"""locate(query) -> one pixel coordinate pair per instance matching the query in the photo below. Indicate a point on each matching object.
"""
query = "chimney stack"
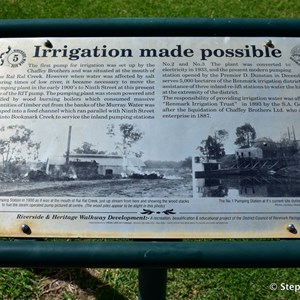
(68, 147)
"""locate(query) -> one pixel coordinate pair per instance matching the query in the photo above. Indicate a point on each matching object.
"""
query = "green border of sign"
(149, 27)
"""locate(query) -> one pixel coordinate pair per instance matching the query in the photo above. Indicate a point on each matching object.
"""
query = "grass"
(230, 283)
(49, 284)
(121, 284)
(23, 9)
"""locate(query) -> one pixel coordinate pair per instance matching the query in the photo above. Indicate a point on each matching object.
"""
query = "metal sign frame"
(239, 30)
(126, 27)
(151, 257)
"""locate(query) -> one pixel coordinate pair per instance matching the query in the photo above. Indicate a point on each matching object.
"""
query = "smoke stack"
(294, 133)
(69, 146)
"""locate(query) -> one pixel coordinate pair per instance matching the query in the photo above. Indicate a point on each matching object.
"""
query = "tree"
(221, 135)
(86, 148)
(212, 147)
(16, 145)
(187, 163)
(246, 135)
(130, 135)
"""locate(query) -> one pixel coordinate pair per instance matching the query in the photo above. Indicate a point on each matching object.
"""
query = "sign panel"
(150, 137)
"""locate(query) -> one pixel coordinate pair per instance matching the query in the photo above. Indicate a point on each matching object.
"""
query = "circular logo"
(295, 54)
(16, 58)
(273, 286)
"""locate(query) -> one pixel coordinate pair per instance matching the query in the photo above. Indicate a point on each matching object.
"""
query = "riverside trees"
(17, 146)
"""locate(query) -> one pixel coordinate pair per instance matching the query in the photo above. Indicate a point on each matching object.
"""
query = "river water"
(245, 186)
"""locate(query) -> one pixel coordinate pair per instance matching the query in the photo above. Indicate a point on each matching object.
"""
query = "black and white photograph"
(103, 160)
(134, 160)
(259, 166)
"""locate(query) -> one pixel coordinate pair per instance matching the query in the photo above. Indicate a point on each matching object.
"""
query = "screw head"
(291, 228)
(48, 44)
(269, 44)
(26, 229)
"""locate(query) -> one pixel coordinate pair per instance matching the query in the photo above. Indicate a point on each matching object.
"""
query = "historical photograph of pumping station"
(258, 166)
(88, 172)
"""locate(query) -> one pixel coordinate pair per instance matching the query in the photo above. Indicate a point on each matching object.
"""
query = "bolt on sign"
(150, 137)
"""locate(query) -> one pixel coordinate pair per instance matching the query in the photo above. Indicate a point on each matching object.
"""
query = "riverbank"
(179, 187)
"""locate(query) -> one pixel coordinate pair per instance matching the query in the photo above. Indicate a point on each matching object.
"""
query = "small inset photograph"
(255, 166)
(105, 161)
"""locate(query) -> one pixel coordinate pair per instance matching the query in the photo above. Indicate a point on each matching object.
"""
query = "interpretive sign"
(150, 137)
